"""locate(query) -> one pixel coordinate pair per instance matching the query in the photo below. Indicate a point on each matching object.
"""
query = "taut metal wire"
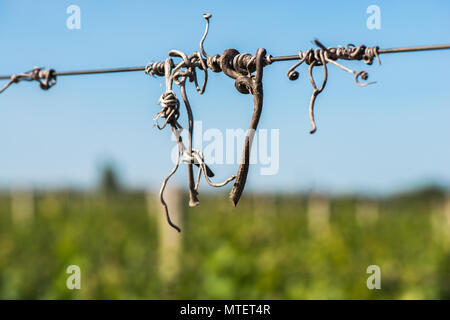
(271, 58)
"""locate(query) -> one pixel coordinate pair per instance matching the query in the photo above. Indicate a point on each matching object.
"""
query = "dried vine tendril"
(321, 56)
(170, 112)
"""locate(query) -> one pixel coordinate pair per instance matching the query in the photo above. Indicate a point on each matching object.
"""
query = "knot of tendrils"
(196, 157)
(350, 52)
(155, 68)
(244, 63)
(170, 109)
(46, 78)
(213, 63)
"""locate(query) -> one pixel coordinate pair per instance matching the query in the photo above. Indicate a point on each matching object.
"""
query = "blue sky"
(381, 138)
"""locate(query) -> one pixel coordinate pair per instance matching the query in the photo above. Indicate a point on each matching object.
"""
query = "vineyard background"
(300, 246)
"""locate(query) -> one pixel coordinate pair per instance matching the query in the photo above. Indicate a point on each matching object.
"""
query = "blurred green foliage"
(266, 248)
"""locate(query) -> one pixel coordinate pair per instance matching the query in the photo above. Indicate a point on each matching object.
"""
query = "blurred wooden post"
(366, 213)
(22, 206)
(169, 239)
(318, 214)
(447, 212)
(440, 222)
(446, 223)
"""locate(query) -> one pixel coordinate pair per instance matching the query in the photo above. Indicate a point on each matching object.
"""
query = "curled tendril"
(212, 62)
(316, 91)
(202, 49)
(322, 56)
(163, 187)
(364, 75)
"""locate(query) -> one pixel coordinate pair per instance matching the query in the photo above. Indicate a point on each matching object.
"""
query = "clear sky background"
(385, 137)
